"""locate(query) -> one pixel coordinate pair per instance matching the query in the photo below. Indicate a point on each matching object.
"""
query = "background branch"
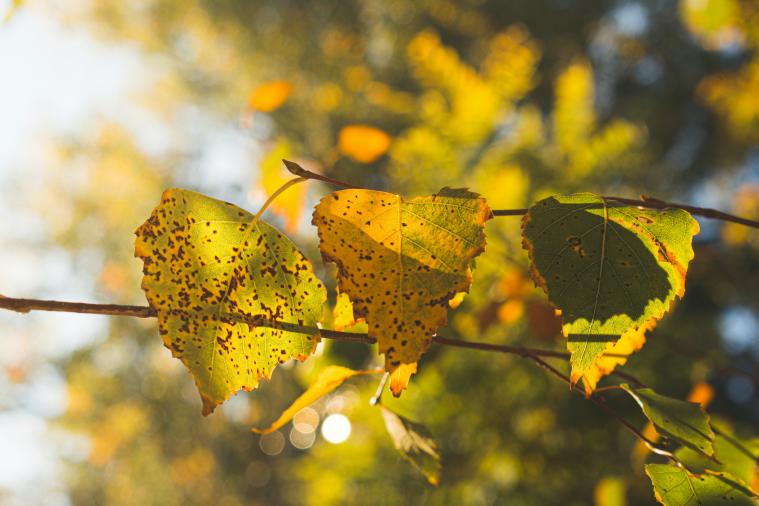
(644, 201)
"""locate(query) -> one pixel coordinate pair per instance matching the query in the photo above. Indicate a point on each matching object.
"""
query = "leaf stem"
(644, 201)
(276, 194)
(299, 171)
(377, 397)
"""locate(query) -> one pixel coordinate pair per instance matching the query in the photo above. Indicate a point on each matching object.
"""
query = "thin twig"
(644, 201)
(629, 377)
(299, 171)
(533, 354)
(377, 397)
(601, 402)
(653, 203)
(26, 305)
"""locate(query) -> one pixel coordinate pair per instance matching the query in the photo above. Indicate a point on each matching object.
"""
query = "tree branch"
(26, 305)
(600, 401)
(644, 201)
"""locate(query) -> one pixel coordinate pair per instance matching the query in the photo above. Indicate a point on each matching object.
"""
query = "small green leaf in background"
(737, 456)
(675, 486)
(685, 422)
(234, 296)
(610, 268)
(415, 444)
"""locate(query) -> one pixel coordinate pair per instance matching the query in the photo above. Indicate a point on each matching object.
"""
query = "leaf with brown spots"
(234, 296)
(401, 262)
(610, 268)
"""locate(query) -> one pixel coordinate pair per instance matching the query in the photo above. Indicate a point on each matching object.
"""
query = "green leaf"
(737, 456)
(234, 296)
(401, 262)
(680, 420)
(610, 268)
(415, 444)
(675, 486)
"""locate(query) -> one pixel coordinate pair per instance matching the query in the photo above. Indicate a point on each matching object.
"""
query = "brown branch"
(644, 201)
(533, 354)
(26, 305)
(600, 401)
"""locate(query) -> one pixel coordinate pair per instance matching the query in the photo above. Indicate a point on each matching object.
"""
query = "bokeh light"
(272, 444)
(336, 428)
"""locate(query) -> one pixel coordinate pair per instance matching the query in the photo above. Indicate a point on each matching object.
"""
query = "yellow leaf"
(363, 143)
(702, 394)
(234, 297)
(615, 354)
(329, 379)
(291, 204)
(270, 96)
(511, 311)
(400, 377)
(401, 262)
(457, 300)
(342, 314)
(574, 117)
(610, 491)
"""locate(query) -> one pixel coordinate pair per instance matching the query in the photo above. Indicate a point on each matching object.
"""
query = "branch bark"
(27, 305)
(20, 305)
(644, 201)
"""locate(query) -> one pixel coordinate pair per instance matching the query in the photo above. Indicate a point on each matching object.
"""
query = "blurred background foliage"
(517, 100)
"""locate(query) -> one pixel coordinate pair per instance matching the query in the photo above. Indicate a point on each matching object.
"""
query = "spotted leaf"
(401, 262)
(610, 268)
(234, 297)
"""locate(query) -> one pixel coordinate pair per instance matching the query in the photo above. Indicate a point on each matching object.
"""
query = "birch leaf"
(675, 486)
(401, 262)
(610, 268)
(630, 342)
(234, 296)
(685, 422)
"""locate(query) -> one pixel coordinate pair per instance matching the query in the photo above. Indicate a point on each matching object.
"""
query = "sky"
(56, 81)
(48, 87)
